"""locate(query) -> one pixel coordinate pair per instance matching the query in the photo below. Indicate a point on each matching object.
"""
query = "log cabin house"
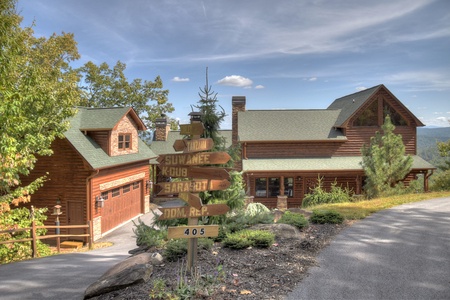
(284, 152)
(99, 172)
(297, 147)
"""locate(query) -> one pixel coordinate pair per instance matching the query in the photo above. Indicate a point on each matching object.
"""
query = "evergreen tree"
(384, 161)
(211, 116)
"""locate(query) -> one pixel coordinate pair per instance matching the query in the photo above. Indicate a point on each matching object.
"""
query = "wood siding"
(102, 138)
(66, 181)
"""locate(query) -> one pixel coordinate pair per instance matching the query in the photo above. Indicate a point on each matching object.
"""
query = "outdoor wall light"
(99, 201)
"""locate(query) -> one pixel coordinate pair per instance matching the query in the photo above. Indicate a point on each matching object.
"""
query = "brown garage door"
(123, 204)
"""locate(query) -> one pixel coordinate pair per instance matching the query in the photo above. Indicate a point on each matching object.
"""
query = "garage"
(121, 204)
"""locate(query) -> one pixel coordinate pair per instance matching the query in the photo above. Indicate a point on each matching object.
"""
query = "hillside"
(426, 143)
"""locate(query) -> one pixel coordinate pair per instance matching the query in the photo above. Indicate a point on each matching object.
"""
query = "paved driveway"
(399, 253)
(67, 276)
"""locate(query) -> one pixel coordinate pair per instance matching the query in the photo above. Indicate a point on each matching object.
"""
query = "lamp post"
(57, 212)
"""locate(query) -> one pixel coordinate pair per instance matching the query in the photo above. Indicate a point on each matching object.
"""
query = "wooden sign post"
(187, 165)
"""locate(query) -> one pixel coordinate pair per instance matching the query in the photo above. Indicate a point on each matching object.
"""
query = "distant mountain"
(426, 143)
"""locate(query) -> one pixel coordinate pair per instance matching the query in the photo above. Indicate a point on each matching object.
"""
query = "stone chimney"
(238, 104)
(162, 128)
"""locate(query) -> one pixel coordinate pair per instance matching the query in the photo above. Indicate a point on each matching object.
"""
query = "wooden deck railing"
(34, 237)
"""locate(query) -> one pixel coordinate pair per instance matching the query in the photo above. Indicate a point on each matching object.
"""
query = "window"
(369, 117)
(270, 187)
(125, 189)
(124, 141)
(261, 187)
(289, 186)
(115, 192)
(135, 185)
(104, 195)
(396, 118)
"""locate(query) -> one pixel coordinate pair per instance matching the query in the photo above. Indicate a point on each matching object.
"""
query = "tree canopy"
(38, 92)
(384, 161)
(103, 86)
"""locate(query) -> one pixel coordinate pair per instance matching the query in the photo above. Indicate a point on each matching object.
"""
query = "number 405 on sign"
(192, 231)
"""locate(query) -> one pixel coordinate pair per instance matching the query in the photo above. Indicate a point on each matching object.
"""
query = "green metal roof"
(348, 163)
(89, 149)
(288, 125)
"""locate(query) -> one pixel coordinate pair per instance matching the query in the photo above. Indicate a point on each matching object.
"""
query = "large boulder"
(133, 270)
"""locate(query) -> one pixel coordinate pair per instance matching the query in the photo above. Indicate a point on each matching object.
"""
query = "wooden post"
(34, 240)
(192, 247)
(90, 244)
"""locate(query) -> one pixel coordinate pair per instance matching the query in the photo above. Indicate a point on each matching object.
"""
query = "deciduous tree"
(384, 161)
(38, 92)
(108, 87)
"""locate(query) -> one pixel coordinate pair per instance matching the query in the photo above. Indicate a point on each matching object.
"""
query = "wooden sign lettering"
(169, 213)
(192, 129)
(191, 199)
(192, 186)
(194, 172)
(195, 145)
(192, 231)
(194, 159)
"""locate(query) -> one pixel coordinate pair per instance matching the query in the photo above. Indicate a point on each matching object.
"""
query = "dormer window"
(124, 141)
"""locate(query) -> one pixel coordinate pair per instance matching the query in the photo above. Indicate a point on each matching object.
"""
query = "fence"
(34, 237)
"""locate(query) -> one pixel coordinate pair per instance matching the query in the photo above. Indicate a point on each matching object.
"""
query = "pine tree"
(211, 116)
(384, 161)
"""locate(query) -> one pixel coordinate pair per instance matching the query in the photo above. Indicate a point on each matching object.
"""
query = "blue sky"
(287, 54)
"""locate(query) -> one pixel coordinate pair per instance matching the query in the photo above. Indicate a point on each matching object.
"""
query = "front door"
(75, 216)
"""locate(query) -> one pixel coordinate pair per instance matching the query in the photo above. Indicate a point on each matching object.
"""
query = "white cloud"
(180, 79)
(259, 87)
(361, 88)
(312, 79)
(235, 80)
(442, 119)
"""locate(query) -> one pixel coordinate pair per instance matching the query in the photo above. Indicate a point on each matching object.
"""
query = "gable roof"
(89, 149)
(107, 118)
(288, 125)
(350, 104)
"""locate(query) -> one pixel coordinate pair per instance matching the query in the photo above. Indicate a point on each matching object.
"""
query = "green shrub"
(21, 218)
(294, 219)
(256, 208)
(320, 196)
(148, 236)
(326, 217)
(175, 249)
(246, 238)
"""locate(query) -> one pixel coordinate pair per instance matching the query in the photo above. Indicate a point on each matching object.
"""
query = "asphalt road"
(67, 276)
(399, 253)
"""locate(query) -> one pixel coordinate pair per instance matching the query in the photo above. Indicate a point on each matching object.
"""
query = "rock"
(156, 259)
(135, 269)
(281, 231)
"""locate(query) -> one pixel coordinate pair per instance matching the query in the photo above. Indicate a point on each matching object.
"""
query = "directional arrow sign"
(192, 186)
(191, 129)
(191, 199)
(194, 159)
(169, 213)
(195, 145)
(194, 172)
(192, 231)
